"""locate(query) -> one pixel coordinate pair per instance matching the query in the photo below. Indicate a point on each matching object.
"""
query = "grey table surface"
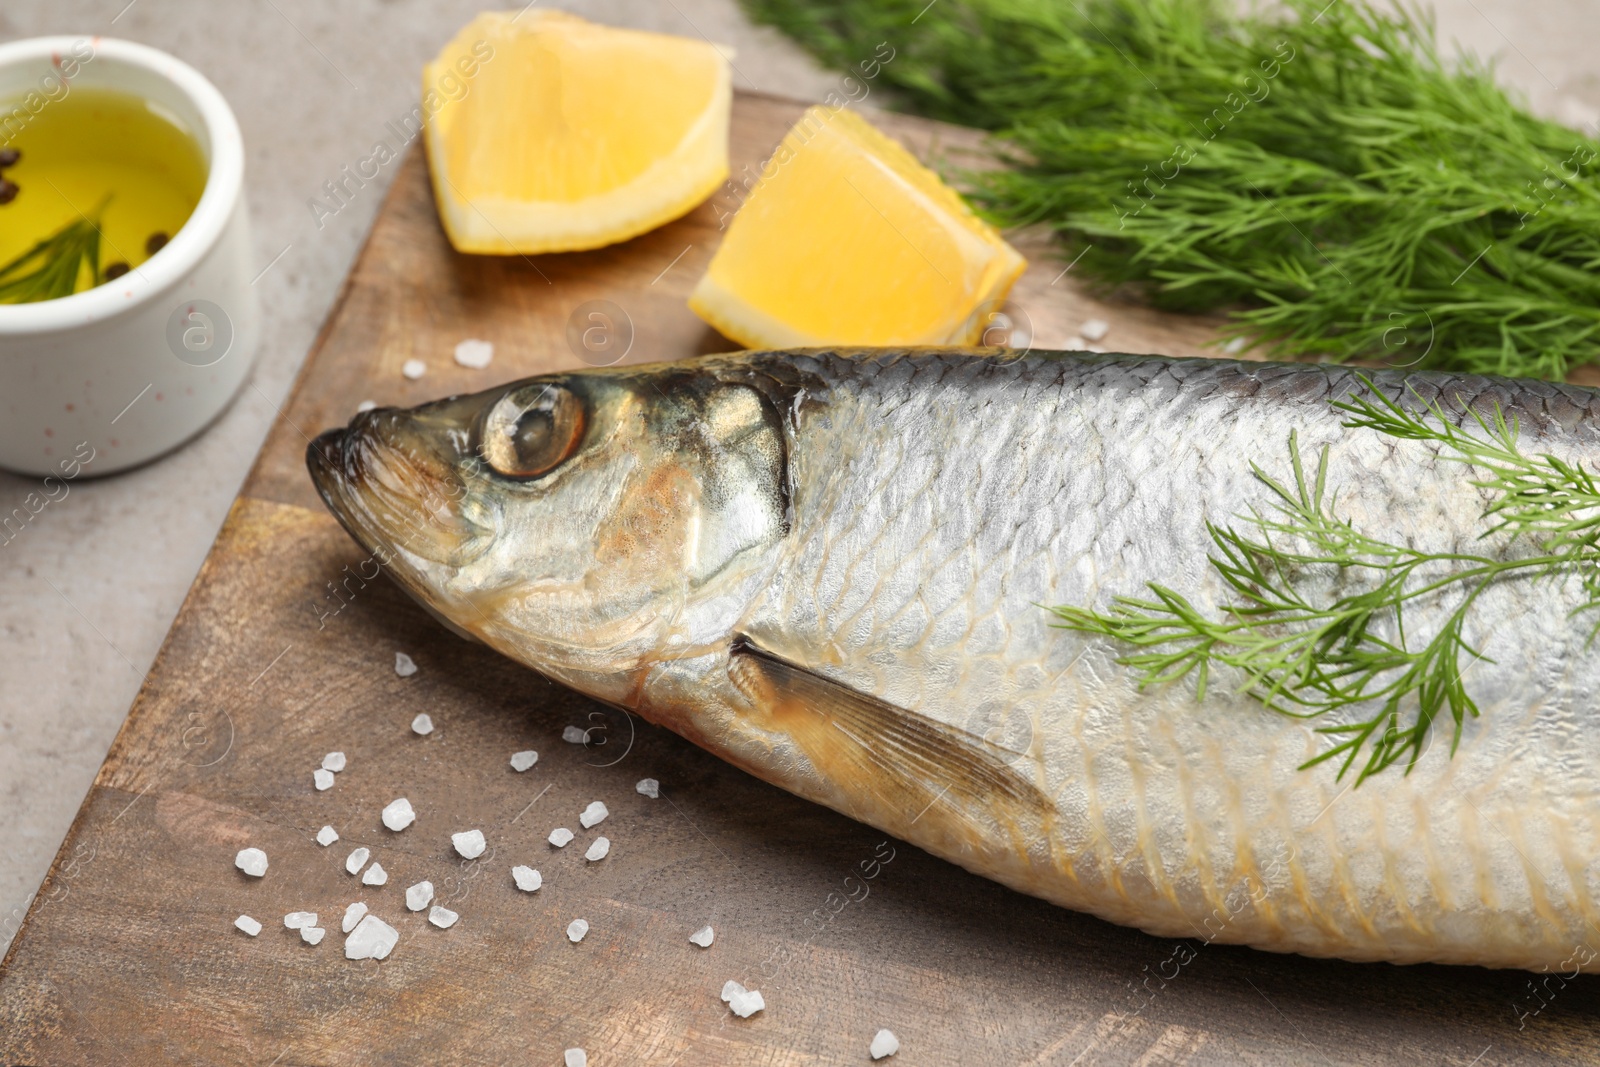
(88, 590)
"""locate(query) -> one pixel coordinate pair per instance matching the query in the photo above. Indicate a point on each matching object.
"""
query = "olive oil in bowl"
(95, 184)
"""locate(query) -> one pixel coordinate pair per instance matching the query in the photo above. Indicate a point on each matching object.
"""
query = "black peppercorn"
(8, 157)
(156, 243)
(116, 270)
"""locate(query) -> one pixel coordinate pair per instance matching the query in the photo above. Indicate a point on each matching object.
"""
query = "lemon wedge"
(848, 239)
(548, 133)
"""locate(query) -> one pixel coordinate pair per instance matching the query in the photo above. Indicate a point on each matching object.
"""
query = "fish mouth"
(396, 490)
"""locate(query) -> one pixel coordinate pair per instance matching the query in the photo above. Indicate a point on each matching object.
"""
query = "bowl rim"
(199, 235)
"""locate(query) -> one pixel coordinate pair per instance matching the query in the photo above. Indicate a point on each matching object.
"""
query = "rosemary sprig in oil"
(51, 268)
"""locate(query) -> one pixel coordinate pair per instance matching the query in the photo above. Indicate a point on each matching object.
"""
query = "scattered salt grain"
(521, 761)
(399, 815)
(299, 920)
(419, 896)
(746, 1003)
(372, 939)
(528, 880)
(576, 929)
(251, 861)
(404, 665)
(573, 735)
(352, 915)
(474, 354)
(312, 935)
(593, 815)
(469, 843)
(560, 836)
(598, 850)
(357, 860)
(366, 405)
(375, 875)
(327, 836)
(413, 368)
(322, 778)
(575, 1057)
(1234, 346)
(703, 937)
(247, 925)
(422, 724)
(1076, 344)
(649, 787)
(729, 989)
(333, 761)
(884, 1043)
(1094, 329)
(443, 918)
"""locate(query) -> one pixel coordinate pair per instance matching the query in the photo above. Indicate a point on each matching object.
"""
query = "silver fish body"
(830, 569)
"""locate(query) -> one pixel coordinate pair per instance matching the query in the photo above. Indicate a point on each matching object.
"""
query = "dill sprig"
(51, 268)
(1305, 653)
(1319, 170)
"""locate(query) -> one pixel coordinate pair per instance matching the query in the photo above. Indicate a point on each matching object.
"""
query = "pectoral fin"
(898, 762)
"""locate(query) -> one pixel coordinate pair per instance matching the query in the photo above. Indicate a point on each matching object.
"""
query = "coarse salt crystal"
(322, 778)
(357, 860)
(352, 915)
(560, 836)
(884, 1043)
(1234, 346)
(474, 354)
(419, 896)
(1076, 344)
(312, 935)
(575, 1057)
(469, 843)
(366, 405)
(746, 1003)
(593, 815)
(247, 925)
(333, 761)
(299, 920)
(413, 368)
(443, 918)
(703, 937)
(649, 787)
(422, 724)
(251, 861)
(404, 665)
(399, 815)
(521, 761)
(372, 939)
(576, 929)
(1094, 329)
(327, 836)
(598, 850)
(375, 875)
(573, 735)
(528, 880)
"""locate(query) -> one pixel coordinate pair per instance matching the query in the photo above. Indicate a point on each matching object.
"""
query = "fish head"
(584, 524)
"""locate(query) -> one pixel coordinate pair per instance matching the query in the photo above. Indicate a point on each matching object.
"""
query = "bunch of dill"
(1322, 172)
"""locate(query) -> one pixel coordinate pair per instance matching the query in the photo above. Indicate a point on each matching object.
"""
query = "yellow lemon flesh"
(847, 239)
(547, 133)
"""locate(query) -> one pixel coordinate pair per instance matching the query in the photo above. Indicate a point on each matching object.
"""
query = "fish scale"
(879, 642)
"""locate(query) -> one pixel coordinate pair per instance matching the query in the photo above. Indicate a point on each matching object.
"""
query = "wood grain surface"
(284, 651)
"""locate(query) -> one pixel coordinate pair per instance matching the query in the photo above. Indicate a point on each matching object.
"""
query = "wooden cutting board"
(283, 652)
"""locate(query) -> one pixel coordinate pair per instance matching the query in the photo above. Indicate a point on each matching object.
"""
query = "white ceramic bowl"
(133, 368)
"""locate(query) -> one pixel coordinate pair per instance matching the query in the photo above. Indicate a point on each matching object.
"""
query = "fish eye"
(531, 430)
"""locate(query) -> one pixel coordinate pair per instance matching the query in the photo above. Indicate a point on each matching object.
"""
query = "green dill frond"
(1320, 171)
(1306, 655)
